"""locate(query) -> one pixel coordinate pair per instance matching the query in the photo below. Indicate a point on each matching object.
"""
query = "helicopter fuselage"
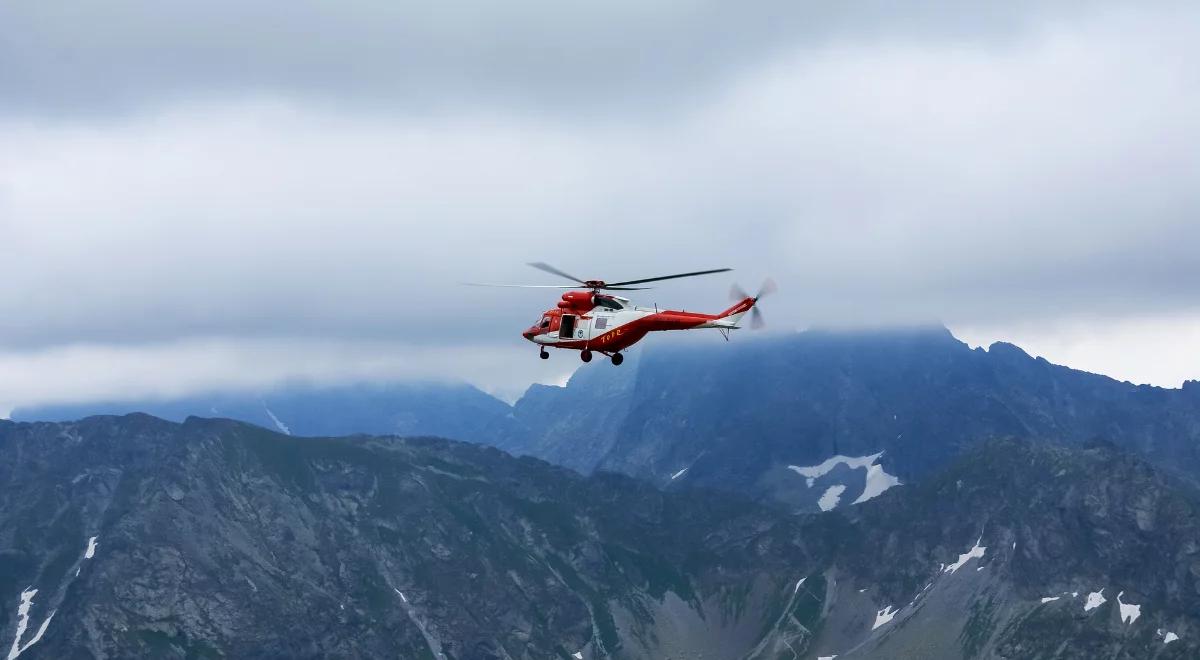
(587, 321)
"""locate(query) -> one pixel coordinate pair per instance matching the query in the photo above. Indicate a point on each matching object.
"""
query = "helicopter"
(590, 320)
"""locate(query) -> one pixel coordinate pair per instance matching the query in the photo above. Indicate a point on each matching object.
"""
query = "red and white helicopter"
(589, 321)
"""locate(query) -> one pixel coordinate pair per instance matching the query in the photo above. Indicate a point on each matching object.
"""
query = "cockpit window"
(607, 302)
(545, 322)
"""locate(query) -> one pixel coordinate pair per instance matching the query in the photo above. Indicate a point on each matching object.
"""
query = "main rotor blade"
(556, 286)
(671, 277)
(526, 286)
(554, 271)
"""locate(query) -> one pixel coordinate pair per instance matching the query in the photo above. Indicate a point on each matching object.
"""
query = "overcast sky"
(231, 194)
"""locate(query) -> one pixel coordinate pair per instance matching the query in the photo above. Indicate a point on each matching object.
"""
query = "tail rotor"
(756, 318)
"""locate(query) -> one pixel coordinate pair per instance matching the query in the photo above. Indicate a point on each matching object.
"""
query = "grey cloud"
(1003, 169)
(628, 57)
(878, 184)
(164, 370)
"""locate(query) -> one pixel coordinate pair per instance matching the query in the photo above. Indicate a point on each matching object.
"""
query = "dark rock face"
(1057, 525)
(736, 416)
(578, 425)
(219, 538)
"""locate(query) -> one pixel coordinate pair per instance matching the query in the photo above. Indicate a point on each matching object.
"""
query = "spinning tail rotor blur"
(756, 318)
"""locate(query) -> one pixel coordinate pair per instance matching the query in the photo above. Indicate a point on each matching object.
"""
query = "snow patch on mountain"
(832, 496)
(875, 482)
(878, 481)
(283, 428)
(884, 616)
(91, 549)
(976, 552)
(23, 623)
(1129, 611)
(1094, 600)
(818, 471)
(22, 620)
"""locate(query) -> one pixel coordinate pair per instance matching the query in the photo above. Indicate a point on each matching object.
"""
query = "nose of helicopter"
(528, 334)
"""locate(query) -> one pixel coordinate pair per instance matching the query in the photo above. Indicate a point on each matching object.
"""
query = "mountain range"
(890, 494)
(794, 418)
(133, 536)
(456, 411)
(755, 418)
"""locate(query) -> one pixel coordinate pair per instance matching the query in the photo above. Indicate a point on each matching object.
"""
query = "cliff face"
(737, 416)
(210, 538)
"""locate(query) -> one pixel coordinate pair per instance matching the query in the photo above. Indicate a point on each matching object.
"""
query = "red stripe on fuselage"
(627, 334)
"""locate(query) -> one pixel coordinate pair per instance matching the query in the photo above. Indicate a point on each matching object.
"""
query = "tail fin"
(741, 307)
(733, 315)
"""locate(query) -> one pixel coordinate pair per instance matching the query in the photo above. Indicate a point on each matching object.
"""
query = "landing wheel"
(585, 355)
(544, 355)
(617, 358)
